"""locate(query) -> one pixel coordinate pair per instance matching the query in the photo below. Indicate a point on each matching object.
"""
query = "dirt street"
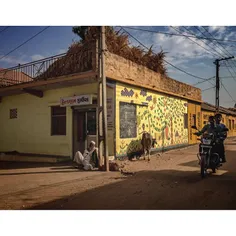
(170, 181)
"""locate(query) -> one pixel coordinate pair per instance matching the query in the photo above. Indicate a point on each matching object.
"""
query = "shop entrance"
(84, 129)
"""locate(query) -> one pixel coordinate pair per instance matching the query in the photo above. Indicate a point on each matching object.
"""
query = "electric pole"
(217, 63)
(104, 97)
(102, 101)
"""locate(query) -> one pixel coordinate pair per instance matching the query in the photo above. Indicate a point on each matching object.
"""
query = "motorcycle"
(208, 156)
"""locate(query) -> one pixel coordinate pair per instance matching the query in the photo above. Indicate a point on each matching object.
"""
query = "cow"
(147, 142)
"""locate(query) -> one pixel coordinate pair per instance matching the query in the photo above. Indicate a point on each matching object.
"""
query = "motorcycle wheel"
(203, 169)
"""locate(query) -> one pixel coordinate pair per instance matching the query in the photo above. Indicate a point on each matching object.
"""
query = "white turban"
(92, 142)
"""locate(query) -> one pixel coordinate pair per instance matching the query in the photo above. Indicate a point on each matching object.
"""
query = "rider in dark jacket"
(209, 128)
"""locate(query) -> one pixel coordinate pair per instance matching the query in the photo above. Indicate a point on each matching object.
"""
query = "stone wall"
(119, 68)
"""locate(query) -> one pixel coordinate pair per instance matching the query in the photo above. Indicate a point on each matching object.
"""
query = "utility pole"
(102, 101)
(104, 97)
(217, 98)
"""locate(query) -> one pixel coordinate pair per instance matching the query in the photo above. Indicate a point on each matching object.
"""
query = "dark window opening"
(58, 120)
(185, 120)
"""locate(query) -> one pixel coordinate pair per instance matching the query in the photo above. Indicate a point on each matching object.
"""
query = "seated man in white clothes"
(89, 160)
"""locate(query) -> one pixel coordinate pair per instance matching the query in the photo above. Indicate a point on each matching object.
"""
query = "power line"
(5, 28)
(227, 52)
(196, 43)
(208, 89)
(227, 92)
(25, 42)
(209, 43)
(181, 35)
(205, 28)
(217, 53)
(230, 72)
(164, 59)
(222, 84)
(206, 80)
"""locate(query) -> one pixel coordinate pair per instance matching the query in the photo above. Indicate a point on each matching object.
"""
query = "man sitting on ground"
(89, 160)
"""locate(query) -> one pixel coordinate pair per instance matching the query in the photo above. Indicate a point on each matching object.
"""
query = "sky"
(195, 56)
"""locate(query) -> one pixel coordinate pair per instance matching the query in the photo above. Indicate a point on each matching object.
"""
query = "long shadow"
(166, 190)
(8, 165)
(40, 172)
(229, 153)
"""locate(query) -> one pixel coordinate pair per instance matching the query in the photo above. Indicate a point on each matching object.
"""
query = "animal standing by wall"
(147, 142)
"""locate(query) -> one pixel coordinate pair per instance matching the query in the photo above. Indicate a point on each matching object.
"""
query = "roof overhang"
(38, 87)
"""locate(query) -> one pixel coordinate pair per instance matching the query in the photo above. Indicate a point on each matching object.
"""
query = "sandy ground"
(169, 181)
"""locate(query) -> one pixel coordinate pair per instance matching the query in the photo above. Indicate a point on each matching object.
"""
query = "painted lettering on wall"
(76, 100)
(110, 113)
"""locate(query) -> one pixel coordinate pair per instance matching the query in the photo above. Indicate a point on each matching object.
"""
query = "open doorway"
(84, 129)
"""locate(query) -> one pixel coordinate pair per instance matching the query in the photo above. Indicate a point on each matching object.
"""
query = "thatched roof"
(77, 59)
(79, 56)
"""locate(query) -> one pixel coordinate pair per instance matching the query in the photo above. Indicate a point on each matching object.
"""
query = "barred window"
(13, 113)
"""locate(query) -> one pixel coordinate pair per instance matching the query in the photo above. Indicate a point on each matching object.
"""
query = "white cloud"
(218, 29)
(12, 61)
(37, 57)
(60, 51)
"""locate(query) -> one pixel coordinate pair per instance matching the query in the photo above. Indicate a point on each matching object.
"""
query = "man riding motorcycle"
(222, 136)
(220, 130)
(209, 128)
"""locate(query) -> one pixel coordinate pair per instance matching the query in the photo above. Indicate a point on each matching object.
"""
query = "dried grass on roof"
(79, 55)
(77, 59)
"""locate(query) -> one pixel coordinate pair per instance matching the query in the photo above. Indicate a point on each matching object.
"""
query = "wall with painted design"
(139, 110)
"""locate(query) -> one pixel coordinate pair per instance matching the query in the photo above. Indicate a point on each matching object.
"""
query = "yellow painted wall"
(193, 110)
(225, 120)
(232, 130)
(164, 118)
(31, 131)
(205, 117)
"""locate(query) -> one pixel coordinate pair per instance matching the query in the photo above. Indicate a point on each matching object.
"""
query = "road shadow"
(11, 165)
(154, 190)
(40, 172)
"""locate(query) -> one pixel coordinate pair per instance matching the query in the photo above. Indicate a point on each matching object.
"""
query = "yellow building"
(56, 113)
(228, 117)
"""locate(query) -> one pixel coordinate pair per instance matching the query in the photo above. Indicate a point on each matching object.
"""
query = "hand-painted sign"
(76, 100)
(110, 113)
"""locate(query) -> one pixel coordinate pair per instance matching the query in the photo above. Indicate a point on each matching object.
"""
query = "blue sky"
(182, 52)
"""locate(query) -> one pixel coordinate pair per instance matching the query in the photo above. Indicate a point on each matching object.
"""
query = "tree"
(81, 31)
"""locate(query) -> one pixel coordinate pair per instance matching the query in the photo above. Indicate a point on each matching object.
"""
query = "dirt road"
(170, 181)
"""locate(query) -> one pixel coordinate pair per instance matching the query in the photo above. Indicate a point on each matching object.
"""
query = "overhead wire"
(180, 35)
(5, 28)
(198, 77)
(196, 43)
(35, 35)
